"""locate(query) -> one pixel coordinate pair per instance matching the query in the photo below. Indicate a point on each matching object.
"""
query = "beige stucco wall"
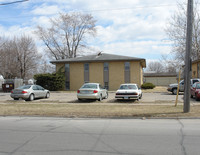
(96, 72)
(136, 73)
(116, 75)
(76, 76)
(194, 70)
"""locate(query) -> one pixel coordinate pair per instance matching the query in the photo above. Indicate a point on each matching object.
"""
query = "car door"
(35, 91)
(41, 91)
(193, 88)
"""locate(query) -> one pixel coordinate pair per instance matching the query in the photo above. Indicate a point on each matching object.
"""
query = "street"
(46, 136)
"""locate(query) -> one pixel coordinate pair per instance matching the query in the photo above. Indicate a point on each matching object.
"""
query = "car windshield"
(198, 86)
(24, 87)
(92, 86)
(128, 87)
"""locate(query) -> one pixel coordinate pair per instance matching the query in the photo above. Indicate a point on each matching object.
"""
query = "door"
(193, 88)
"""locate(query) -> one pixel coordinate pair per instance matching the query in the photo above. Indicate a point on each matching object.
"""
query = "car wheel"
(191, 96)
(47, 95)
(196, 98)
(79, 99)
(16, 98)
(31, 97)
(100, 98)
(174, 91)
(140, 96)
(106, 95)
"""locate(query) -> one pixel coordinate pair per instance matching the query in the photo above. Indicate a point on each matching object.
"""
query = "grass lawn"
(96, 110)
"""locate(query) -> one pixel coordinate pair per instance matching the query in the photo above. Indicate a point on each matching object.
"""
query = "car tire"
(106, 96)
(31, 97)
(100, 97)
(79, 99)
(47, 95)
(196, 98)
(140, 96)
(191, 96)
(174, 91)
(16, 98)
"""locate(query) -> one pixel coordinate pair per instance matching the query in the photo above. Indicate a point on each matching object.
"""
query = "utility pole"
(187, 70)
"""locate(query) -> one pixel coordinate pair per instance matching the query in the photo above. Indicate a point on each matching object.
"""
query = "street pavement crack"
(182, 138)
(99, 140)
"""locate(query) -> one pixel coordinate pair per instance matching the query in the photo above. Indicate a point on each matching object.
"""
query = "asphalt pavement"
(61, 136)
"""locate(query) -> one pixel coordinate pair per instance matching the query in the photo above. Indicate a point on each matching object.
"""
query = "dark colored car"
(195, 91)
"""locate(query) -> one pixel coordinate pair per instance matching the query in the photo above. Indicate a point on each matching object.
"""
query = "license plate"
(85, 91)
(126, 97)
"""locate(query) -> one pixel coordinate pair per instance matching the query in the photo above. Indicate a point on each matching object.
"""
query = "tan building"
(196, 69)
(107, 69)
(160, 79)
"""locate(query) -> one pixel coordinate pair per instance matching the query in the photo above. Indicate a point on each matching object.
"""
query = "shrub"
(148, 86)
(51, 82)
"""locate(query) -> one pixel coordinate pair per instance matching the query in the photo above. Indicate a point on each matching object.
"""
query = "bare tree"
(27, 56)
(19, 58)
(155, 66)
(176, 30)
(45, 67)
(66, 37)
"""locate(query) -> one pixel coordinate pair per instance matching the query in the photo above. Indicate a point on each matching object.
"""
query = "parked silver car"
(92, 91)
(29, 92)
(129, 91)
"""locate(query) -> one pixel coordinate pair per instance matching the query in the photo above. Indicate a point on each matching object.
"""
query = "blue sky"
(124, 27)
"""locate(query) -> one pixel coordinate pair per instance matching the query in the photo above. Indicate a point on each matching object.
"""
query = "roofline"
(143, 61)
(195, 61)
(65, 61)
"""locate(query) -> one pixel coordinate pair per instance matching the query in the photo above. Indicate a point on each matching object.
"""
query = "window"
(106, 66)
(195, 81)
(86, 67)
(86, 72)
(106, 74)
(127, 66)
(127, 72)
(92, 86)
(67, 76)
(35, 87)
(106, 85)
(67, 85)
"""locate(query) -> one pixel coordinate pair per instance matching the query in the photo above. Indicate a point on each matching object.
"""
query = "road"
(62, 136)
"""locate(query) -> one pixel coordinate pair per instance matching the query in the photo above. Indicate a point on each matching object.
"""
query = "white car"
(92, 91)
(129, 91)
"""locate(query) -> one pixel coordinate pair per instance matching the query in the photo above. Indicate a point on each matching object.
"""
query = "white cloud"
(128, 27)
(46, 10)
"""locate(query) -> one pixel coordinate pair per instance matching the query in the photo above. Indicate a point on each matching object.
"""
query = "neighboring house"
(108, 69)
(196, 69)
(160, 79)
(1, 81)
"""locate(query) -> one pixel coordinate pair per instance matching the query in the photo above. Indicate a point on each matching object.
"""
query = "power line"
(99, 10)
(133, 8)
(13, 2)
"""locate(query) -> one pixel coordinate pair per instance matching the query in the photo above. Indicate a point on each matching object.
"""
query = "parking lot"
(70, 97)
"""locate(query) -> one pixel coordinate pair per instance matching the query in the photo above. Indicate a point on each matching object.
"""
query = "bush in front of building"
(49, 81)
(148, 86)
